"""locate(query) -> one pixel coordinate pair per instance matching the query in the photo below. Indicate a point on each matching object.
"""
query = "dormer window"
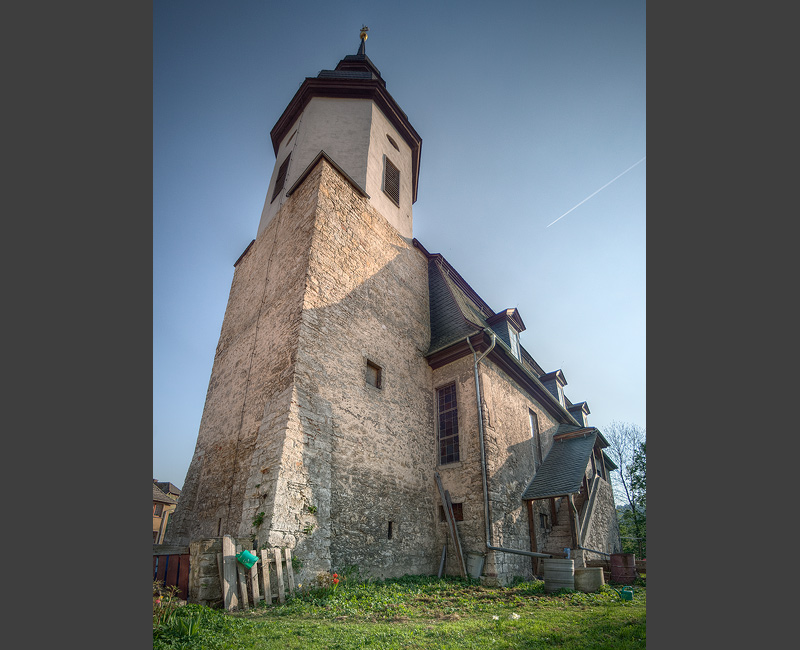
(507, 324)
(514, 336)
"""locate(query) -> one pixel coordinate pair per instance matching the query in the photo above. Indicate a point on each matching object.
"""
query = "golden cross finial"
(364, 30)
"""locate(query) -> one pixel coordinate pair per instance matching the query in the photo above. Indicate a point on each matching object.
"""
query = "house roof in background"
(160, 496)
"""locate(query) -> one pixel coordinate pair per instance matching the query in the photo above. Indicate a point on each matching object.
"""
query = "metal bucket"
(475, 564)
(558, 574)
(589, 579)
(623, 568)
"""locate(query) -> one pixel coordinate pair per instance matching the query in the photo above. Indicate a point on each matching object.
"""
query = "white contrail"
(595, 192)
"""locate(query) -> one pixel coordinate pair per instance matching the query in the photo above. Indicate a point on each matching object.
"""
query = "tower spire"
(363, 37)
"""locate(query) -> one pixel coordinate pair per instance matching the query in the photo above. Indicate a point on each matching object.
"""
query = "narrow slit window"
(447, 412)
(374, 375)
(281, 180)
(537, 441)
(390, 530)
(391, 181)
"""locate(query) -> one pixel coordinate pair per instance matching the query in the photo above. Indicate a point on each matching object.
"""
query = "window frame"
(371, 365)
(455, 456)
(387, 165)
(280, 180)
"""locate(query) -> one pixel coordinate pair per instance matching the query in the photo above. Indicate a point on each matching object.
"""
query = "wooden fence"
(171, 566)
(241, 586)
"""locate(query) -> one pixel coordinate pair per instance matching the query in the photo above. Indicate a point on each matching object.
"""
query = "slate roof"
(562, 470)
(457, 311)
(453, 315)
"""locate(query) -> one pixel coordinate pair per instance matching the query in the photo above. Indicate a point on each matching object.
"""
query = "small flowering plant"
(327, 582)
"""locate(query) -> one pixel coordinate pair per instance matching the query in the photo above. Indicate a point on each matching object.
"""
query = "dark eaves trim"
(505, 359)
(455, 276)
(333, 164)
(244, 252)
(502, 357)
(371, 89)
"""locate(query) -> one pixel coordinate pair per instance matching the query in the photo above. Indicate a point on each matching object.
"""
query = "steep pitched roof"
(453, 314)
(563, 468)
(159, 495)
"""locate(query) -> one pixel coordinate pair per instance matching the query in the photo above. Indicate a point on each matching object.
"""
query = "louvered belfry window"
(281, 180)
(391, 181)
(447, 411)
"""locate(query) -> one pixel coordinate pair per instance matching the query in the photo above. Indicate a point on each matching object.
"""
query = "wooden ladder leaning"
(451, 524)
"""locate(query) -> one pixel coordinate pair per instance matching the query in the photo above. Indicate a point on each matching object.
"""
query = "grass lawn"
(418, 612)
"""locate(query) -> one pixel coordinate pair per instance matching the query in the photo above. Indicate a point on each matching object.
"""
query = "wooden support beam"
(573, 521)
(532, 534)
(451, 523)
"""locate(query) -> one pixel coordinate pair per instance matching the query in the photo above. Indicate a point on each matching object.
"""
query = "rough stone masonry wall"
(462, 479)
(365, 453)
(205, 587)
(249, 393)
(510, 466)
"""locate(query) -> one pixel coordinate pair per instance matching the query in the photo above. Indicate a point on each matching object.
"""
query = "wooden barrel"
(589, 579)
(623, 568)
(558, 574)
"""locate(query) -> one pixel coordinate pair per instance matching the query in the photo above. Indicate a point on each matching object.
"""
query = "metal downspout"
(486, 513)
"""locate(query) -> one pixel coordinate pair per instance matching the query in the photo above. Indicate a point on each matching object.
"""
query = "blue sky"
(525, 110)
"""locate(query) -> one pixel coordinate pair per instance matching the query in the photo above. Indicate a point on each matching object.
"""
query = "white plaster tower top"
(348, 115)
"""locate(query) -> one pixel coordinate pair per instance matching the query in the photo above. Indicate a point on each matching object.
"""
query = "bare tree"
(625, 440)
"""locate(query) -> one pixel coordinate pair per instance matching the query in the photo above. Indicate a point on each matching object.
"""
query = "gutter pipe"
(486, 515)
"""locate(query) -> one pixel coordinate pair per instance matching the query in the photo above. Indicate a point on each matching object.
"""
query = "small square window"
(374, 375)
(458, 512)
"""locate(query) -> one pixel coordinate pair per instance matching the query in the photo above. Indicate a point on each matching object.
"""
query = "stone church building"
(357, 372)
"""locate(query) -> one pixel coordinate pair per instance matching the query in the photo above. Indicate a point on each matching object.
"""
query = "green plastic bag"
(247, 558)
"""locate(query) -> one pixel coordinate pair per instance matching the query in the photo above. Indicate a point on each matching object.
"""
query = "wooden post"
(444, 556)
(573, 521)
(242, 580)
(253, 580)
(221, 575)
(532, 534)
(229, 573)
(289, 570)
(279, 576)
(265, 576)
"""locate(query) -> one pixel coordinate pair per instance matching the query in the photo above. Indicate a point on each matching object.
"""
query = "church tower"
(315, 433)
(348, 116)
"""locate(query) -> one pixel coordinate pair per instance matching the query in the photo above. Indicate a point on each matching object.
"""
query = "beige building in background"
(354, 367)
(165, 499)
